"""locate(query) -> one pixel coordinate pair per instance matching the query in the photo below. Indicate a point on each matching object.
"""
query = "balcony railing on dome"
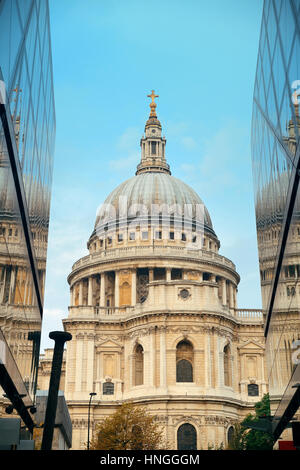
(141, 251)
(249, 314)
(242, 315)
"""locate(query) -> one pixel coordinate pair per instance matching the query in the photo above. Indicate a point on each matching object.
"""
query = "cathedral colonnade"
(119, 288)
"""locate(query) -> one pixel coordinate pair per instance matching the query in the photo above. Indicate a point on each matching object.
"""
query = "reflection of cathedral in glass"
(25, 185)
(275, 162)
(285, 325)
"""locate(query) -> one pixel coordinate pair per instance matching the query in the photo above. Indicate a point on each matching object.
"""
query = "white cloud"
(176, 129)
(129, 139)
(54, 312)
(125, 163)
(189, 142)
(188, 168)
(127, 145)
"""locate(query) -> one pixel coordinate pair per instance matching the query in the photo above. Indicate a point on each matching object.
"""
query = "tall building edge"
(27, 135)
(276, 164)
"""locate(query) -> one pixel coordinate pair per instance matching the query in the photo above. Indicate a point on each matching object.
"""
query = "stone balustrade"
(241, 315)
(155, 251)
(20, 312)
(255, 315)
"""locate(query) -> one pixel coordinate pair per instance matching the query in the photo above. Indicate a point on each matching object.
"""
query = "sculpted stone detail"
(162, 419)
(192, 275)
(79, 423)
(216, 420)
(102, 338)
(181, 418)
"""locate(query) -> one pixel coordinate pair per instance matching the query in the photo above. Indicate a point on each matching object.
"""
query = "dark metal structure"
(60, 337)
(27, 133)
(276, 172)
(92, 394)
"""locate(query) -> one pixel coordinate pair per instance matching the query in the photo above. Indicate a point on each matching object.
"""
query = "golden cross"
(153, 95)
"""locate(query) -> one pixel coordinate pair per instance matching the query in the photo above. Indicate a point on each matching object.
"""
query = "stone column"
(133, 287)
(163, 358)
(152, 367)
(25, 288)
(235, 297)
(3, 285)
(232, 368)
(151, 274)
(102, 290)
(168, 274)
(224, 297)
(71, 296)
(79, 353)
(207, 361)
(220, 356)
(117, 289)
(80, 300)
(231, 301)
(70, 371)
(131, 370)
(11, 288)
(90, 291)
(90, 363)
(217, 360)
(43, 282)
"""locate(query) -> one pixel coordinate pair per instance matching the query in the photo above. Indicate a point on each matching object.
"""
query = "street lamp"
(91, 396)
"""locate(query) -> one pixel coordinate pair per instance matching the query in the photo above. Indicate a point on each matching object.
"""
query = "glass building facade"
(275, 163)
(27, 133)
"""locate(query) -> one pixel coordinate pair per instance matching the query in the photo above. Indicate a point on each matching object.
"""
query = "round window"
(184, 293)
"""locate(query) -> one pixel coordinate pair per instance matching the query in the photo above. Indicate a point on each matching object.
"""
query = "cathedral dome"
(153, 194)
(148, 192)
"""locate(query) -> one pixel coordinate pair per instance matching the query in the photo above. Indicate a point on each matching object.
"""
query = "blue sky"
(200, 58)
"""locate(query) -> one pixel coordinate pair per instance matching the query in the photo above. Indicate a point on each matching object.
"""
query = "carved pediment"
(109, 345)
(251, 345)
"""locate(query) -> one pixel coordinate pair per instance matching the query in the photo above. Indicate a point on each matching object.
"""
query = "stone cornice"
(207, 399)
(83, 266)
(140, 317)
(136, 329)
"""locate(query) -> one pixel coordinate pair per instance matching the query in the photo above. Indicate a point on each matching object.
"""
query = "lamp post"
(91, 396)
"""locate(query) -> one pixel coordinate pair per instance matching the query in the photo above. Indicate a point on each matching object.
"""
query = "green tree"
(258, 440)
(238, 438)
(129, 428)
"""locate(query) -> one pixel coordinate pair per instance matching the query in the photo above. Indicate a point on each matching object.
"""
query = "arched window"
(186, 437)
(227, 367)
(184, 371)
(153, 147)
(139, 365)
(184, 361)
(230, 435)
